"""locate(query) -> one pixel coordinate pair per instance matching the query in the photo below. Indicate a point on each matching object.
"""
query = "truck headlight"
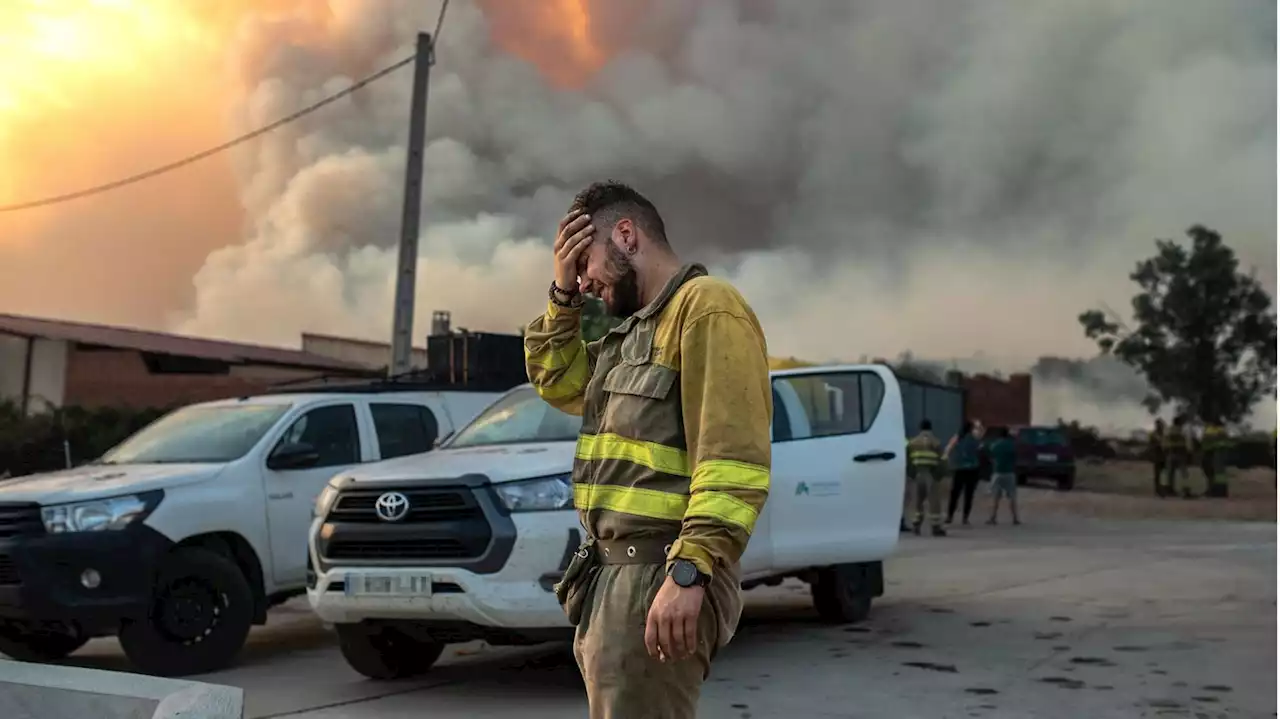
(99, 515)
(537, 495)
(324, 501)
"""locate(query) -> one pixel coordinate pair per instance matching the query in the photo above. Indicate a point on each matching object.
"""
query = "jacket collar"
(677, 280)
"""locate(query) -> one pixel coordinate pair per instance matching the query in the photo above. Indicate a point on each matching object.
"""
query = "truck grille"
(401, 549)
(8, 572)
(434, 505)
(20, 520)
(442, 524)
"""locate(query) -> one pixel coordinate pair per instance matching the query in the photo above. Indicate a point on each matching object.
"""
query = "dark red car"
(1045, 453)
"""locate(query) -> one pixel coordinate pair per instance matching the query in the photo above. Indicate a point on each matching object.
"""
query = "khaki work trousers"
(623, 681)
(926, 487)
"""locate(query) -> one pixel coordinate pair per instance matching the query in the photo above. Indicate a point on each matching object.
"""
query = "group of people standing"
(970, 455)
(1172, 449)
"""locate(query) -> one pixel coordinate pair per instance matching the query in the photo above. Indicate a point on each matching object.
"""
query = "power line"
(439, 24)
(213, 150)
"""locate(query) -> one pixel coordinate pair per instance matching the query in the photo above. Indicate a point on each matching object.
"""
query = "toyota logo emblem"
(391, 507)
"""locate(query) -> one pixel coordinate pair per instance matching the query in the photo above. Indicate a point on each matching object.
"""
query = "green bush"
(42, 442)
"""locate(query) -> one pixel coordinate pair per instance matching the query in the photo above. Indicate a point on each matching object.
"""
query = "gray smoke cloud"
(956, 179)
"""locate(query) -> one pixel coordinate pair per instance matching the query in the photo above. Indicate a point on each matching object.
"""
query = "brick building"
(51, 363)
(998, 402)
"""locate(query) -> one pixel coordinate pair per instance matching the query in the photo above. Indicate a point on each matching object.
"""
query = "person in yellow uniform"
(1177, 457)
(1155, 452)
(672, 463)
(1214, 444)
(925, 472)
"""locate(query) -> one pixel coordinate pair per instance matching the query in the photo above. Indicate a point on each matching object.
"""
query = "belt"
(632, 551)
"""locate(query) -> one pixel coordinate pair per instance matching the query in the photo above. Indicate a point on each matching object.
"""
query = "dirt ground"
(1123, 490)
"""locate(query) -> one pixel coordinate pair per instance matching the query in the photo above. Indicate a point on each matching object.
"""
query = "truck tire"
(28, 644)
(201, 610)
(384, 652)
(840, 594)
(1067, 483)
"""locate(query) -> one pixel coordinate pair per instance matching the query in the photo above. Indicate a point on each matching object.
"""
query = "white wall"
(48, 371)
(48, 374)
(13, 362)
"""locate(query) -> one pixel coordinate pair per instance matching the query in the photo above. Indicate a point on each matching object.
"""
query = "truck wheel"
(201, 610)
(1067, 483)
(29, 644)
(384, 652)
(840, 595)
(1022, 479)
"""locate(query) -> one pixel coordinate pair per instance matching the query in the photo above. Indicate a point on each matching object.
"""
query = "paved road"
(1049, 620)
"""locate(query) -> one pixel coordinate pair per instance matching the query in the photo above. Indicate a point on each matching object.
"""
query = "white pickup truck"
(186, 533)
(466, 542)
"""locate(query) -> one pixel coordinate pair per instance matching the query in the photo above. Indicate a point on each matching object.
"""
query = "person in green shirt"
(1004, 478)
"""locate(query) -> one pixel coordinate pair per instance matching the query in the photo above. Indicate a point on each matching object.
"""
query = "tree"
(1205, 336)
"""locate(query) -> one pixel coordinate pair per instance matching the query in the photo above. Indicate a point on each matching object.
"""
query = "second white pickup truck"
(180, 538)
(466, 542)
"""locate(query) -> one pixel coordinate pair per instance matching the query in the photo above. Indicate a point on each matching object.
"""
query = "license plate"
(1047, 457)
(389, 585)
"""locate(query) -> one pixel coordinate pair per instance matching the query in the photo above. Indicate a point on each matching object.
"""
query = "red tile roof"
(168, 344)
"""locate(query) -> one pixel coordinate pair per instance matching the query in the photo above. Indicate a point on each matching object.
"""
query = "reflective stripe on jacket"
(924, 452)
(677, 414)
(1215, 438)
(1176, 441)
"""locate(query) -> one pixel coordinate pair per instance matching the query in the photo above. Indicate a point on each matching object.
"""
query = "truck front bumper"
(517, 596)
(87, 580)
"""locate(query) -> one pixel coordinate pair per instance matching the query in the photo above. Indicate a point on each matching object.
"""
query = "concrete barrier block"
(45, 691)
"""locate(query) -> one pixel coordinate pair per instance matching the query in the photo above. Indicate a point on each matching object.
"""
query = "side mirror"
(299, 455)
(441, 439)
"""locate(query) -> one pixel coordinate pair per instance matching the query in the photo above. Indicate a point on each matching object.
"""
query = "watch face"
(685, 573)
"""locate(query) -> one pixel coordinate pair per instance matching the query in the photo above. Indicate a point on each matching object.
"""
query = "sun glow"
(58, 54)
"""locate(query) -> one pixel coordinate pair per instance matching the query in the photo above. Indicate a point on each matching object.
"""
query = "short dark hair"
(925, 424)
(610, 201)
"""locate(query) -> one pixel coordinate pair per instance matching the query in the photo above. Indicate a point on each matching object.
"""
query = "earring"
(631, 250)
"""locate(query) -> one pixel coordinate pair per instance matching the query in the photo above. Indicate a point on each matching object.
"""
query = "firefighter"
(672, 465)
(1177, 455)
(924, 470)
(1213, 449)
(1155, 452)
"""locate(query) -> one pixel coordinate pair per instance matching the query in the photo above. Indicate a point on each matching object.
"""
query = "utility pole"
(407, 268)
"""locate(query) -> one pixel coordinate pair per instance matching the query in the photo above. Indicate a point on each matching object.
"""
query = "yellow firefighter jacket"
(924, 455)
(1215, 439)
(1177, 443)
(676, 409)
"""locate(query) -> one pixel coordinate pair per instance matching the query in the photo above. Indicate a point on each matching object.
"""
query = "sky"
(958, 180)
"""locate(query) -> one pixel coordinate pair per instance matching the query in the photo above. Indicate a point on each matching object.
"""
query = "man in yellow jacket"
(925, 472)
(672, 465)
(1214, 444)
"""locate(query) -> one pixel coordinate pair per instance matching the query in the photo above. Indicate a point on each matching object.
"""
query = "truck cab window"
(831, 404)
(331, 430)
(404, 429)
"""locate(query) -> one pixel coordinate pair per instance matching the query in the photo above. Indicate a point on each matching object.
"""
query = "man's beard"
(624, 289)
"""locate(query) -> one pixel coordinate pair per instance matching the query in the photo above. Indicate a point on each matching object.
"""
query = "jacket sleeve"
(556, 359)
(728, 411)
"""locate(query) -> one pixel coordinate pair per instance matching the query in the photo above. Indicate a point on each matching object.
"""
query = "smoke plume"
(956, 179)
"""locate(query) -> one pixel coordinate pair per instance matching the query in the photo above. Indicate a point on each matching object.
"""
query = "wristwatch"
(686, 574)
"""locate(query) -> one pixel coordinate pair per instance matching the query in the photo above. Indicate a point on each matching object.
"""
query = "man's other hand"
(671, 631)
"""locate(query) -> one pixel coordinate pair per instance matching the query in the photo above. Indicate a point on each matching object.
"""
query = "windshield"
(521, 416)
(1042, 436)
(219, 433)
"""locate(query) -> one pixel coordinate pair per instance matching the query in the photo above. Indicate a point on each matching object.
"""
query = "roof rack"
(418, 380)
